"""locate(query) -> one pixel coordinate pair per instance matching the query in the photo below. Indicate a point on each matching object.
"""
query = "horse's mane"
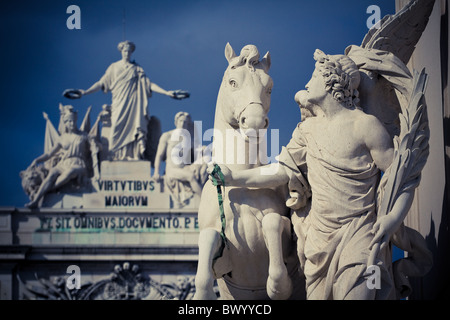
(249, 56)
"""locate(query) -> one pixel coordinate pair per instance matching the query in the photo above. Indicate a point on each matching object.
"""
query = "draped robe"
(74, 153)
(336, 231)
(334, 207)
(130, 89)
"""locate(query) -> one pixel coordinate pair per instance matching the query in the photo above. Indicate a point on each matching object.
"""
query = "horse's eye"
(233, 83)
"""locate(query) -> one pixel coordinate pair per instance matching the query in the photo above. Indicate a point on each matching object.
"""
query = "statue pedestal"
(127, 184)
(43, 243)
(125, 220)
(125, 170)
(123, 185)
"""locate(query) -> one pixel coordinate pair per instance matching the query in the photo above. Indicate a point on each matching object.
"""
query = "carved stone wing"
(51, 134)
(382, 59)
(86, 124)
(400, 33)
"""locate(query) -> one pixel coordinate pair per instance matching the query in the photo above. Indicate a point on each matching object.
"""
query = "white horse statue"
(255, 255)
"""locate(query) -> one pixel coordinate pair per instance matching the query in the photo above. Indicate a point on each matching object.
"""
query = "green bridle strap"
(217, 171)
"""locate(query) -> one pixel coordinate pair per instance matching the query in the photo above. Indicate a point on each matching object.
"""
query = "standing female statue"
(130, 88)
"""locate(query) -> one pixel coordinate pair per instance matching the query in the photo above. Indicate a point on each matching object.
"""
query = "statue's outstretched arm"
(94, 88)
(46, 156)
(155, 88)
(268, 176)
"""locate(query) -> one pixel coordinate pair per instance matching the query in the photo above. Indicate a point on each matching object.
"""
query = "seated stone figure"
(183, 177)
(72, 148)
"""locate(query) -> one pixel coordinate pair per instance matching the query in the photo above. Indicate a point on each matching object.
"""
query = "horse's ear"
(61, 107)
(266, 61)
(229, 52)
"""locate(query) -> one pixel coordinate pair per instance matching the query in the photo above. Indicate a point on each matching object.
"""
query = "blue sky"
(180, 45)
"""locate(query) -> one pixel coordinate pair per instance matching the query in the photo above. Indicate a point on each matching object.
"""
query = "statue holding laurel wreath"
(130, 88)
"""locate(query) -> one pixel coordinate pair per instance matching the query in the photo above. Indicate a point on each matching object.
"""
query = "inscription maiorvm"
(126, 193)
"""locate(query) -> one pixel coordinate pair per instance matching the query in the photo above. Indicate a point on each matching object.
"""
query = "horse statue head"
(243, 101)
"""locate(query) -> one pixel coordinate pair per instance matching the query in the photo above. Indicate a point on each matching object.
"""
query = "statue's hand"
(156, 177)
(226, 172)
(383, 229)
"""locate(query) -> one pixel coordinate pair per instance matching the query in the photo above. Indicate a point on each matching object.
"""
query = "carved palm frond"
(411, 148)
